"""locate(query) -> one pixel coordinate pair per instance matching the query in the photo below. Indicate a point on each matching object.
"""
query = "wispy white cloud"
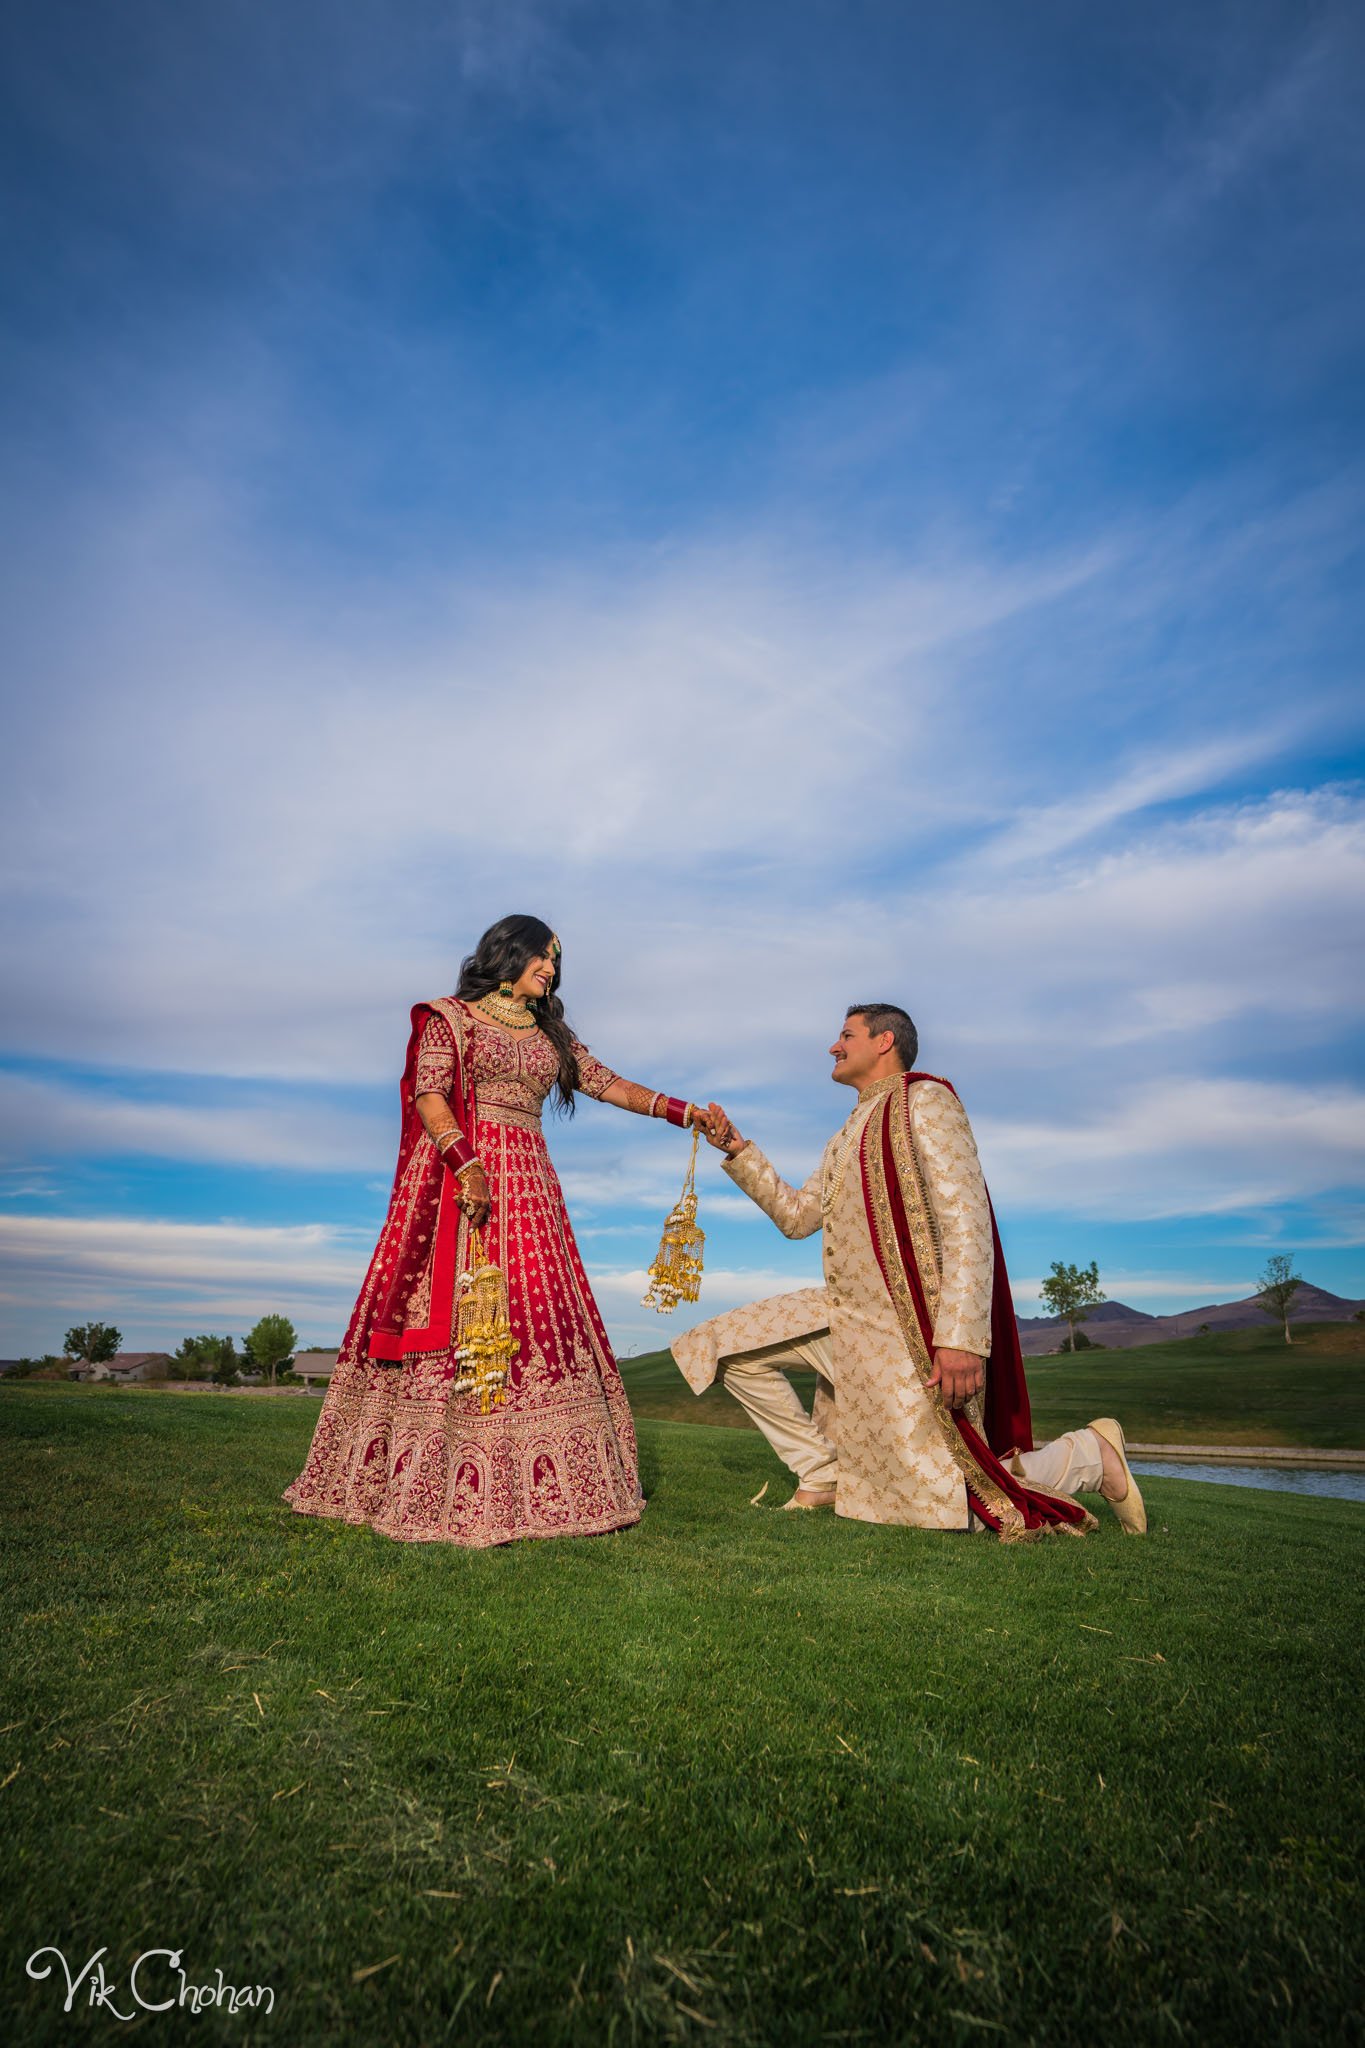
(1239, 909)
(1137, 1288)
(1156, 778)
(171, 1254)
(253, 791)
(1062, 983)
(1296, 106)
(1182, 1148)
(219, 891)
(45, 1117)
(1204, 924)
(165, 1279)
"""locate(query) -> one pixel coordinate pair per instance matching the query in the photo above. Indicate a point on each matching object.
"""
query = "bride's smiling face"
(536, 978)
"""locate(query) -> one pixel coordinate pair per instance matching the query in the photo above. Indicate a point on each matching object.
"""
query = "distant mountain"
(1116, 1325)
(1107, 1312)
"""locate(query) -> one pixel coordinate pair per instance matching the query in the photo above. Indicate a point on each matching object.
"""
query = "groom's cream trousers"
(758, 1380)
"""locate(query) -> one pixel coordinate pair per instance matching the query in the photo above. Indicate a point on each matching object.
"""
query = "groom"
(921, 1412)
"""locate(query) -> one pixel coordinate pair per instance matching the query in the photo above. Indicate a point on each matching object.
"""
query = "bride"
(397, 1444)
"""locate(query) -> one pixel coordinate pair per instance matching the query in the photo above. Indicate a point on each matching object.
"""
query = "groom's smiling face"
(857, 1055)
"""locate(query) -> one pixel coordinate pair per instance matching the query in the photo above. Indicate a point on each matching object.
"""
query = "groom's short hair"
(890, 1017)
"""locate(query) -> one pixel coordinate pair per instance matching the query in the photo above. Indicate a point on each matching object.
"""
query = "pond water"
(1274, 1478)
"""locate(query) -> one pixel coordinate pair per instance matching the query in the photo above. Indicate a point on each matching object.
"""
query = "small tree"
(1071, 1292)
(1082, 1343)
(272, 1341)
(92, 1343)
(1277, 1287)
(225, 1372)
(205, 1357)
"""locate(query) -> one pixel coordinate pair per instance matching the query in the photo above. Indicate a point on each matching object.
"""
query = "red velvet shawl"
(895, 1204)
(423, 1211)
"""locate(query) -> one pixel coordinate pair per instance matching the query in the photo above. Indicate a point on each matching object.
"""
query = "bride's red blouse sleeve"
(434, 1073)
(593, 1078)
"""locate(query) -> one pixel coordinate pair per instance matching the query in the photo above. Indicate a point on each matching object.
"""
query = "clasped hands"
(718, 1129)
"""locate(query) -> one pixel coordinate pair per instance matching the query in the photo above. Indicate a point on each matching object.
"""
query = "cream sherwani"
(876, 1430)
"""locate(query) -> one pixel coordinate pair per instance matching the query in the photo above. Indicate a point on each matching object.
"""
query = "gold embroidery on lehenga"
(489, 1110)
(418, 1315)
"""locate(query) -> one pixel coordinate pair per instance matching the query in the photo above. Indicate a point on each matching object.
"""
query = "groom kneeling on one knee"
(921, 1412)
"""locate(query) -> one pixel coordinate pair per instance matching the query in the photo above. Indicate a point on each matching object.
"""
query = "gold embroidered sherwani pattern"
(877, 1429)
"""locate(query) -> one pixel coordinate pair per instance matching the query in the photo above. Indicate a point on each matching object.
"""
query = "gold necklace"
(831, 1194)
(852, 1143)
(512, 1014)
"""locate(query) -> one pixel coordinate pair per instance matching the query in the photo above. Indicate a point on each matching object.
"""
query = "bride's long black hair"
(502, 954)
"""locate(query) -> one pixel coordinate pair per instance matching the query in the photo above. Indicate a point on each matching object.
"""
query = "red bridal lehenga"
(394, 1446)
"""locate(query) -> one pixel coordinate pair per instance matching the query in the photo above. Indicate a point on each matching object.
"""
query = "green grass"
(733, 1777)
(1245, 1387)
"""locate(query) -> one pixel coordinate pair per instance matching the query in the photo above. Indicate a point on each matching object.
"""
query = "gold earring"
(504, 988)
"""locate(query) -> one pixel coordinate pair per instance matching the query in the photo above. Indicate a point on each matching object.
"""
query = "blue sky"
(820, 502)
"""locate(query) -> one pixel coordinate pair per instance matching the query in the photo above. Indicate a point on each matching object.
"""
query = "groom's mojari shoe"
(1132, 1515)
(815, 1497)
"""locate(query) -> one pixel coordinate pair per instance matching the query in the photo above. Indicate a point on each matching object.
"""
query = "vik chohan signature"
(155, 1972)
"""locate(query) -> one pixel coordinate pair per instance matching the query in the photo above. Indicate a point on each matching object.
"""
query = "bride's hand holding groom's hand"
(719, 1130)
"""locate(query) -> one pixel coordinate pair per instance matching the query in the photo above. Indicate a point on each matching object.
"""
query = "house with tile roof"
(314, 1367)
(126, 1366)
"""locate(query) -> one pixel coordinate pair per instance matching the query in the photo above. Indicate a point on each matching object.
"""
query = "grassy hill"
(734, 1777)
(1240, 1387)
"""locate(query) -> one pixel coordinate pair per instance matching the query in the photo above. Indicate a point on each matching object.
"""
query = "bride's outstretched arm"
(641, 1101)
(599, 1081)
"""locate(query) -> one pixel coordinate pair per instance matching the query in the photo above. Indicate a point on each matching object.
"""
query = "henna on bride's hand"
(720, 1132)
(474, 1197)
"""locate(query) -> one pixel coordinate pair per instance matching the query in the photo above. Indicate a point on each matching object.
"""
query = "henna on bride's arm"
(437, 1116)
(641, 1101)
(443, 1128)
(623, 1094)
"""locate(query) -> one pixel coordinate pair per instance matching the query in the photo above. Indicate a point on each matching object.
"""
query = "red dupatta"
(406, 1306)
(898, 1218)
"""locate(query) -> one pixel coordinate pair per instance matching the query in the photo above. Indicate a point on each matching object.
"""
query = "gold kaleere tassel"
(484, 1343)
(676, 1273)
